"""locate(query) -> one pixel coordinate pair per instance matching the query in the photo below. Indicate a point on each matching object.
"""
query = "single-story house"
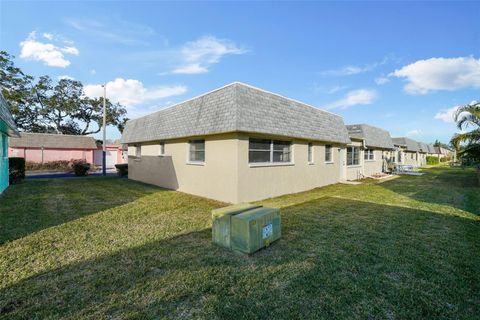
(445, 153)
(7, 129)
(431, 150)
(368, 152)
(422, 154)
(407, 151)
(46, 147)
(236, 144)
(115, 154)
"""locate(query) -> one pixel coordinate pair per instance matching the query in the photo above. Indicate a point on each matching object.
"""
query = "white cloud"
(194, 68)
(48, 36)
(50, 54)
(381, 80)
(446, 115)
(434, 74)
(66, 77)
(414, 133)
(353, 70)
(132, 92)
(197, 56)
(345, 71)
(355, 97)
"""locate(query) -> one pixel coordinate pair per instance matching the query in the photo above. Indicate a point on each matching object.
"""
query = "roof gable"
(374, 137)
(238, 108)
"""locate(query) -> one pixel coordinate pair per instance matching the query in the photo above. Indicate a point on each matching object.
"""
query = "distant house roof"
(431, 149)
(423, 147)
(8, 126)
(374, 137)
(409, 144)
(54, 141)
(444, 151)
(238, 107)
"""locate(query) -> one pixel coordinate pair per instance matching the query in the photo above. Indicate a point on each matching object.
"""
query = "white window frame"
(310, 157)
(354, 148)
(330, 147)
(271, 162)
(369, 155)
(196, 162)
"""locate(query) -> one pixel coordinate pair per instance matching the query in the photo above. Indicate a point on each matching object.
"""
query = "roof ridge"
(284, 97)
(188, 100)
(57, 134)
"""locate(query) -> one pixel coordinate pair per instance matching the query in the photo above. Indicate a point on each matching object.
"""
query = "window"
(369, 155)
(263, 150)
(310, 153)
(162, 148)
(353, 156)
(197, 151)
(413, 156)
(399, 156)
(138, 151)
(328, 153)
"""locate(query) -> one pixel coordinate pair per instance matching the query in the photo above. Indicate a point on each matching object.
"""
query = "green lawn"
(110, 248)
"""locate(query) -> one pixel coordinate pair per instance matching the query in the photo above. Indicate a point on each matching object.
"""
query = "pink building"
(43, 147)
(115, 153)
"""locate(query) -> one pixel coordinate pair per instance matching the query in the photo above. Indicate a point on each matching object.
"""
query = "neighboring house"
(7, 129)
(115, 154)
(431, 150)
(369, 151)
(45, 147)
(236, 144)
(422, 154)
(444, 153)
(407, 151)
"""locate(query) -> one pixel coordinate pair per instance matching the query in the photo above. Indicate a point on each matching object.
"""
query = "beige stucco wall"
(215, 179)
(260, 182)
(407, 159)
(226, 174)
(371, 167)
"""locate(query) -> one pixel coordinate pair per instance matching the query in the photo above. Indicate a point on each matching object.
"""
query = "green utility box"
(221, 222)
(255, 229)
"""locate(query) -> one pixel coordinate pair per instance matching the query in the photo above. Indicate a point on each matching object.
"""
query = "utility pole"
(104, 153)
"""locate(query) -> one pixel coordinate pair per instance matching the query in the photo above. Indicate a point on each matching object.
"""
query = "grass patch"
(113, 248)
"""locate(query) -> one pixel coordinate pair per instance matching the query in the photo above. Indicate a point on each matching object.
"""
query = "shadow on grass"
(337, 259)
(38, 204)
(443, 185)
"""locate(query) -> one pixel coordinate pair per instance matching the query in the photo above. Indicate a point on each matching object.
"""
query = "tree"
(468, 116)
(62, 107)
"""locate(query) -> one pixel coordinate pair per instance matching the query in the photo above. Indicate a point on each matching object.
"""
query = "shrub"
(16, 169)
(61, 165)
(432, 160)
(122, 169)
(80, 167)
(445, 159)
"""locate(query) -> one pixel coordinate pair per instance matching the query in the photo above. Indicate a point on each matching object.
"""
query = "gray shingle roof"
(6, 116)
(238, 107)
(423, 147)
(411, 145)
(431, 149)
(57, 141)
(374, 137)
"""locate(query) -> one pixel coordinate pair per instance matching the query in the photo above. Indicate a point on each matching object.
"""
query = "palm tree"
(467, 116)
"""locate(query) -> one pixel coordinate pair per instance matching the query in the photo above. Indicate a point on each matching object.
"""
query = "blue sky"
(400, 66)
